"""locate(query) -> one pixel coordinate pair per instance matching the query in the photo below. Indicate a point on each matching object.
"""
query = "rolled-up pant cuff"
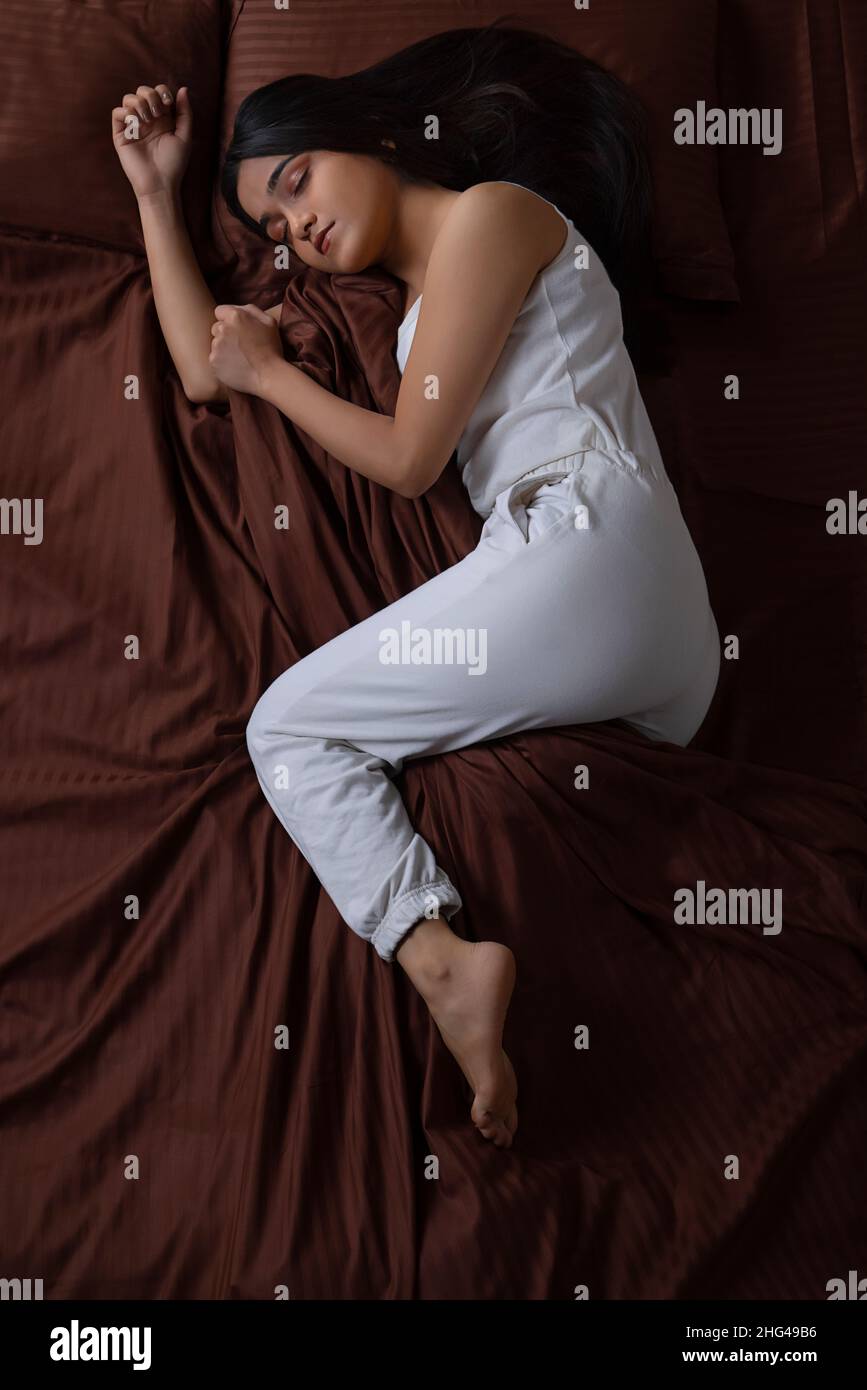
(411, 907)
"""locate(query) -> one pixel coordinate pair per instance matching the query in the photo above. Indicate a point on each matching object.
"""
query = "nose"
(302, 226)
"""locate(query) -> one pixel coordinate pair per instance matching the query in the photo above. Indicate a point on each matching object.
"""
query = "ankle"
(427, 951)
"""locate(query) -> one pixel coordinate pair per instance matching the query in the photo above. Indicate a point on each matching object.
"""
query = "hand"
(245, 343)
(152, 133)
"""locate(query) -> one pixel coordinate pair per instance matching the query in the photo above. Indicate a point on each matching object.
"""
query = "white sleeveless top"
(563, 382)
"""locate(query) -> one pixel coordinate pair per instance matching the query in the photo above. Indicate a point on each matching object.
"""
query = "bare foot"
(467, 986)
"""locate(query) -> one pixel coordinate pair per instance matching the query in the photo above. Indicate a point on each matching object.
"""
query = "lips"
(319, 241)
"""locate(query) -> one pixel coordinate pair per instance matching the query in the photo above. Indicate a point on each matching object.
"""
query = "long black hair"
(510, 104)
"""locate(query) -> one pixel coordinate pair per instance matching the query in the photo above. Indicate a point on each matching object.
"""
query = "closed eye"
(297, 189)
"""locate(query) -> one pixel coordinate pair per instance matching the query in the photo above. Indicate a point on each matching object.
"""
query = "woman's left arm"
(362, 439)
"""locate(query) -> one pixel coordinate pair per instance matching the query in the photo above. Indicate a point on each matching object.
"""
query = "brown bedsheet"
(158, 925)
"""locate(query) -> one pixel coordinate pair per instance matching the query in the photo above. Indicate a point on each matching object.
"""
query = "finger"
(119, 118)
(153, 103)
(226, 312)
(163, 93)
(183, 114)
(125, 123)
(136, 106)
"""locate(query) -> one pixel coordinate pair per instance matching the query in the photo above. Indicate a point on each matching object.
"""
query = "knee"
(270, 720)
(277, 726)
(256, 733)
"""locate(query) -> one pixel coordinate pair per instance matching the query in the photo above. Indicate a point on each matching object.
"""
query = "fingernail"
(167, 96)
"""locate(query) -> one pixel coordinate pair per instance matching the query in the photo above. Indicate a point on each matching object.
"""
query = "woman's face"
(310, 192)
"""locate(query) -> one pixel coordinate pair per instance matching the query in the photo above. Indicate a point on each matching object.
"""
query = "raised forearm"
(184, 304)
(363, 440)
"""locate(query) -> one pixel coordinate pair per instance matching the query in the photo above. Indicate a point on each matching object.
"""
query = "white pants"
(584, 600)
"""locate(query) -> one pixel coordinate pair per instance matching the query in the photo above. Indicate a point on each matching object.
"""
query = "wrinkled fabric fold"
(209, 1088)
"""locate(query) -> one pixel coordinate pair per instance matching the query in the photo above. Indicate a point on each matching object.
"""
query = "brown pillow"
(665, 50)
(63, 67)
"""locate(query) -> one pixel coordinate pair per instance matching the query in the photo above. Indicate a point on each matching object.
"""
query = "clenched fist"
(245, 341)
(152, 131)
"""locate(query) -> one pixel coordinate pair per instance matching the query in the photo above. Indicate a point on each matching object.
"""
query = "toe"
(496, 1132)
(502, 1139)
(493, 1127)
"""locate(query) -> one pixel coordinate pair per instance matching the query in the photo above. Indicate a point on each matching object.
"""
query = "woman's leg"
(585, 604)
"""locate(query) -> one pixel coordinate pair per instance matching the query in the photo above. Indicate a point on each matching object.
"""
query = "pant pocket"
(550, 507)
(536, 505)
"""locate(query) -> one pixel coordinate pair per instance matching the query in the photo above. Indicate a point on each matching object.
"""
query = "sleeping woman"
(457, 165)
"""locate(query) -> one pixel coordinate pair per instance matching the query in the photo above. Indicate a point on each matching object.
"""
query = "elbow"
(413, 481)
(205, 392)
(408, 488)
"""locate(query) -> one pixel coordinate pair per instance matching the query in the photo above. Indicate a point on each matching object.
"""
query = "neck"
(421, 211)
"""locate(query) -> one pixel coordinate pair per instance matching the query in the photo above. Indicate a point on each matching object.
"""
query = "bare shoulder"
(489, 250)
(519, 219)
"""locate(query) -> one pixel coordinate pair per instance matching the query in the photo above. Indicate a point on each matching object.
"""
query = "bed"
(209, 1088)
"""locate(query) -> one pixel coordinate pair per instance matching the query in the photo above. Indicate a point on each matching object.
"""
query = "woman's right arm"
(184, 304)
(154, 160)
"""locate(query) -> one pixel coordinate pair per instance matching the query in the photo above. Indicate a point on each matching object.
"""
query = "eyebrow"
(270, 186)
